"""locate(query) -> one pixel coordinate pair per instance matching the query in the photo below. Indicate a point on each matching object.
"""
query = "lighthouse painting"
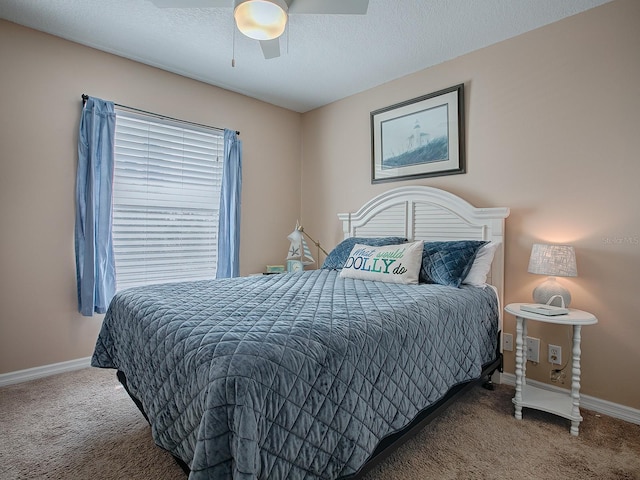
(419, 137)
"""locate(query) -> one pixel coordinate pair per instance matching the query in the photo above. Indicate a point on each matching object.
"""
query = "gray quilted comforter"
(291, 376)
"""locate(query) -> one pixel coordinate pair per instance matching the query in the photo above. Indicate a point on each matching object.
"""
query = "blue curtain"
(229, 224)
(95, 266)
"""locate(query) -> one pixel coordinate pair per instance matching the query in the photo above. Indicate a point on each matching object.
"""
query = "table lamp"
(555, 261)
(299, 254)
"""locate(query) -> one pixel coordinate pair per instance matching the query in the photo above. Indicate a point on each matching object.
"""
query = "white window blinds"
(166, 197)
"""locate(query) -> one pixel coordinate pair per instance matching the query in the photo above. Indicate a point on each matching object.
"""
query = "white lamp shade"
(298, 249)
(296, 235)
(553, 260)
(261, 19)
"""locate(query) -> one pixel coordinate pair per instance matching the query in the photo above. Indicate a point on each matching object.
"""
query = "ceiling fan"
(265, 20)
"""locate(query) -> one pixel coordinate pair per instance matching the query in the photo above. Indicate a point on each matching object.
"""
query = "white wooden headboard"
(426, 213)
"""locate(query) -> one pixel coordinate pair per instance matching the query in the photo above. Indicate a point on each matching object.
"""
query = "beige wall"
(41, 80)
(553, 132)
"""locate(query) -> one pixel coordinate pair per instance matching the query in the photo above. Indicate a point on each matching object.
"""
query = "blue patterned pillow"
(338, 256)
(448, 263)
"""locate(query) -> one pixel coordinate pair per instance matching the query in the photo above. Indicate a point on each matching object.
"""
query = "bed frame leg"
(488, 384)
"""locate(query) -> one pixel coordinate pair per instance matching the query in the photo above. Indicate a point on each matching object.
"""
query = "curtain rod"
(85, 97)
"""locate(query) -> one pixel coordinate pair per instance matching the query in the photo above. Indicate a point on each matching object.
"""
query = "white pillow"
(477, 275)
(390, 263)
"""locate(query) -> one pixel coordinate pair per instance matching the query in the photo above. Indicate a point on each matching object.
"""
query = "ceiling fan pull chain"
(233, 49)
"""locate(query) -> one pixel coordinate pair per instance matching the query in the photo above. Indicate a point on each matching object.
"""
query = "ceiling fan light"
(261, 19)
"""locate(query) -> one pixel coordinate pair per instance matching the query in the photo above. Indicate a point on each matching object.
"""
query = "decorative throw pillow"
(391, 263)
(447, 263)
(338, 256)
(477, 275)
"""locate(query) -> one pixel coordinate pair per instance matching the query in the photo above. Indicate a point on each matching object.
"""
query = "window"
(166, 196)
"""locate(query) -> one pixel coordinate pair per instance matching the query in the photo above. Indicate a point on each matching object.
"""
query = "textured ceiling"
(324, 57)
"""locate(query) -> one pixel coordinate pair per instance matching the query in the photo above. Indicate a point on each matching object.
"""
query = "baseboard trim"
(20, 376)
(605, 407)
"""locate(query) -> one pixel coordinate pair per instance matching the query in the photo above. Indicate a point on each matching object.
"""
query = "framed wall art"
(421, 137)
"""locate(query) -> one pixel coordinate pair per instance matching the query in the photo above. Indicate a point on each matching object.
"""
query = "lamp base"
(550, 288)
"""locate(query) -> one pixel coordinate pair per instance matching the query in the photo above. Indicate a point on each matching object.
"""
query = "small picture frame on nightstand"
(275, 269)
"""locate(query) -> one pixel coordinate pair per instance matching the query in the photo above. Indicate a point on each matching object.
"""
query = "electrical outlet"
(533, 349)
(555, 354)
(507, 342)
(557, 376)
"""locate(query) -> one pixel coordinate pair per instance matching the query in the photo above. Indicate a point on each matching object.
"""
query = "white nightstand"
(566, 405)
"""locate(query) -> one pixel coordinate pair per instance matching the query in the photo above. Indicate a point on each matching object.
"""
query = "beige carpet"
(82, 425)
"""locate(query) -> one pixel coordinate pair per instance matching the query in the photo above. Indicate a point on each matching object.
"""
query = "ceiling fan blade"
(270, 48)
(344, 7)
(192, 3)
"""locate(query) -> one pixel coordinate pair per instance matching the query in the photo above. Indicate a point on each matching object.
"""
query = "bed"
(313, 374)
